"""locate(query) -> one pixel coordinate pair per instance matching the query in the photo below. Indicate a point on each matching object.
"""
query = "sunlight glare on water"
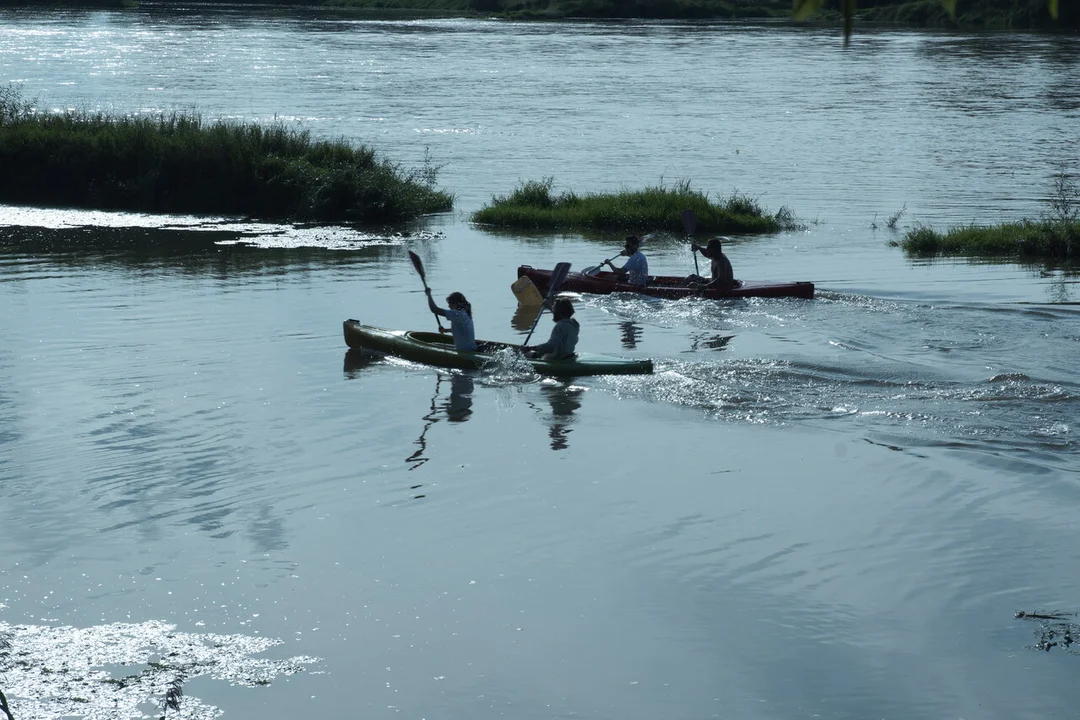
(826, 508)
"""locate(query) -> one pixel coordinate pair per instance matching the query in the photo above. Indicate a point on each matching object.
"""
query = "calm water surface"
(812, 509)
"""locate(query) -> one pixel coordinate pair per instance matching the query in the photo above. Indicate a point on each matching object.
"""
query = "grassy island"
(182, 164)
(532, 205)
(1028, 238)
(1055, 236)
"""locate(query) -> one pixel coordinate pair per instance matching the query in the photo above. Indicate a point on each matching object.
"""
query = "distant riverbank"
(978, 14)
(972, 15)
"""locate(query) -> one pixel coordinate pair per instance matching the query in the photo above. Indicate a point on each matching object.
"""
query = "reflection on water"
(631, 334)
(357, 360)
(524, 317)
(457, 408)
(564, 399)
(710, 342)
(222, 253)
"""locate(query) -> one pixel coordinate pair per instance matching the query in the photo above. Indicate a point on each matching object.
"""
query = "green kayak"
(436, 349)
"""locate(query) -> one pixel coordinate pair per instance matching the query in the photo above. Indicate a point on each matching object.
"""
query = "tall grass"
(1057, 235)
(533, 205)
(180, 163)
(1027, 238)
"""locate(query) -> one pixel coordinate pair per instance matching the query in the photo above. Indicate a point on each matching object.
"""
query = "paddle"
(689, 223)
(595, 269)
(423, 278)
(557, 277)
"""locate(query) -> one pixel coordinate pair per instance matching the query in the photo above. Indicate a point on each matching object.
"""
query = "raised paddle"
(419, 265)
(557, 277)
(689, 223)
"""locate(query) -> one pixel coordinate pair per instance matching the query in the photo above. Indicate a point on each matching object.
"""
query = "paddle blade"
(418, 264)
(689, 221)
(594, 270)
(557, 276)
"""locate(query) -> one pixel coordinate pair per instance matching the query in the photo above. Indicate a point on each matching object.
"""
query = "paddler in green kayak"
(459, 313)
(564, 336)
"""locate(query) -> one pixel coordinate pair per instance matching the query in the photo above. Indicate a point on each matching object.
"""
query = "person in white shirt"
(636, 268)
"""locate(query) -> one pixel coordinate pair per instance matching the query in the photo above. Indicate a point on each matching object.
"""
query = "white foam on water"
(93, 673)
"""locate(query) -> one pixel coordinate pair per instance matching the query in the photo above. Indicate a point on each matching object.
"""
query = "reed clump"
(1027, 238)
(1056, 235)
(533, 205)
(180, 163)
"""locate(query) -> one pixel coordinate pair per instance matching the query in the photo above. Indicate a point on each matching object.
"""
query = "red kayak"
(666, 286)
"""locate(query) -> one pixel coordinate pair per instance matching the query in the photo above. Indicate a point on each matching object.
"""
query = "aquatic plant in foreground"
(533, 205)
(180, 163)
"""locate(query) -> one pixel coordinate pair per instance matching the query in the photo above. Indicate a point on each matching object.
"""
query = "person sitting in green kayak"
(564, 336)
(636, 269)
(723, 277)
(459, 313)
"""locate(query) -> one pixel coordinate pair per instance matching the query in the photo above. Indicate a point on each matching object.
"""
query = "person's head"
(714, 249)
(632, 244)
(457, 301)
(562, 309)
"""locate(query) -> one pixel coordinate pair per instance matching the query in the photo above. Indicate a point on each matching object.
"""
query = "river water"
(828, 508)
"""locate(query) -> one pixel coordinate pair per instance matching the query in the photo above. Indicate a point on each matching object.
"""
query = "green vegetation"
(532, 205)
(183, 164)
(984, 14)
(1012, 14)
(559, 9)
(941, 13)
(1055, 236)
(1027, 238)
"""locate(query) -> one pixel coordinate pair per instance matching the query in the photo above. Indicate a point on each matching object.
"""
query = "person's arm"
(617, 270)
(554, 342)
(620, 271)
(431, 304)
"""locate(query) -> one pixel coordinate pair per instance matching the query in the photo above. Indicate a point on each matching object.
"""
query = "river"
(813, 509)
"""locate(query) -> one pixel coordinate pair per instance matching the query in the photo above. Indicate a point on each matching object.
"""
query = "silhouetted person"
(564, 336)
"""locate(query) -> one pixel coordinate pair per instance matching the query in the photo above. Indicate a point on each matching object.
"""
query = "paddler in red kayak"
(636, 268)
(722, 274)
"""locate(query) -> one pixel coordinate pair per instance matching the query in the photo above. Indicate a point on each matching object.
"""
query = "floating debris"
(1040, 616)
(1055, 630)
(51, 672)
